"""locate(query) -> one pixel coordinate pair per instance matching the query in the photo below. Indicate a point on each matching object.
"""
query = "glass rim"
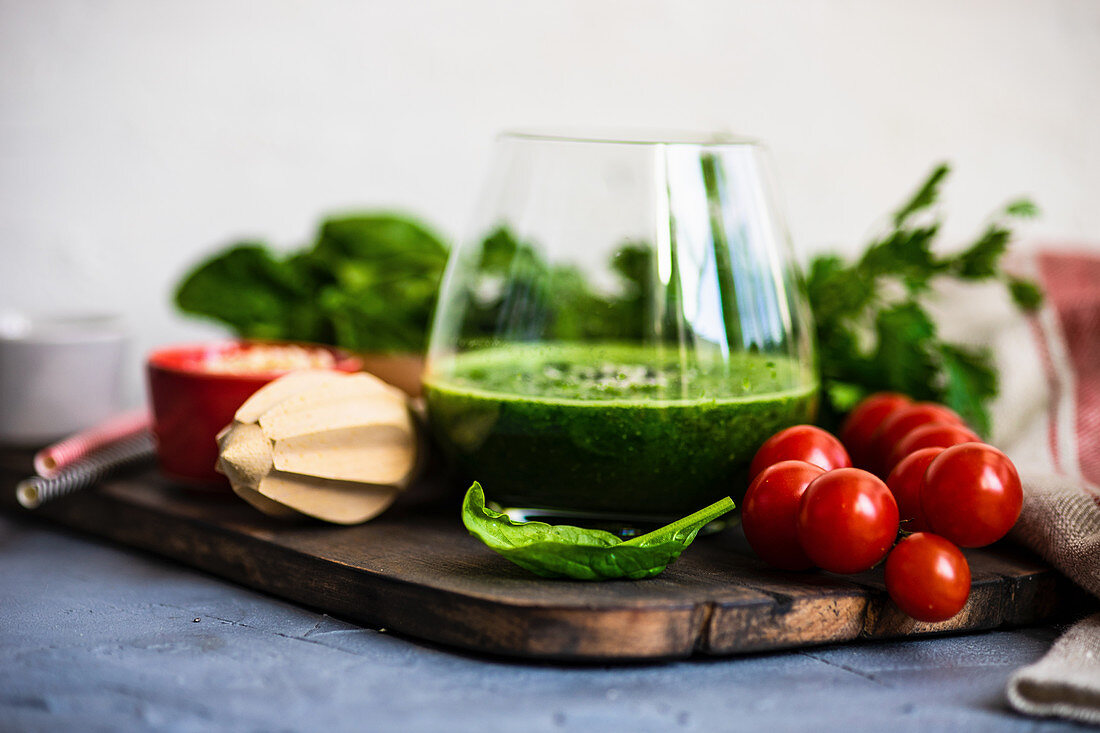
(628, 136)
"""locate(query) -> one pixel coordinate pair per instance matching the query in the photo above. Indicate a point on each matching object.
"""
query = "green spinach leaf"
(563, 551)
(368, 283)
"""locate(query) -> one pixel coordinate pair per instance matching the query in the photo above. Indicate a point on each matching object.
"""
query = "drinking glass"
(620, 331)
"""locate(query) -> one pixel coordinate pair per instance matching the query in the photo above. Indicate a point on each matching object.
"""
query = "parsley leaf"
(903, 356)
(925, 196)
(980, 260)
(1025, 293)
(969, 381)
(1022, 208)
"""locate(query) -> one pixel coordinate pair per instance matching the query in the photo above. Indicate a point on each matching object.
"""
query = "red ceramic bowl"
(193, 400)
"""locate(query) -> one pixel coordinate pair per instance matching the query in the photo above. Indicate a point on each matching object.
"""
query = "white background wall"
(135, 136)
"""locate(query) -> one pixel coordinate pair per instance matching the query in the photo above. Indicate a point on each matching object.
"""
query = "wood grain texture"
(415, 570)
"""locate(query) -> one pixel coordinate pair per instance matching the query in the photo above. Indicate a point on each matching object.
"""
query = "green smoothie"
(615, 430)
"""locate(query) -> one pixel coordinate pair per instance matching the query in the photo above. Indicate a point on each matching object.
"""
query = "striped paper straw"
(49, 461)
(85, 472)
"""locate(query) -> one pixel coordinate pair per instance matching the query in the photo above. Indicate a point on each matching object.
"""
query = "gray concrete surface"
(95, 637)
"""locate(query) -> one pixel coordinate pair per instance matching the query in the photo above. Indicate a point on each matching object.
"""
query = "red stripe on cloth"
(1055, 386)
(1072, 284)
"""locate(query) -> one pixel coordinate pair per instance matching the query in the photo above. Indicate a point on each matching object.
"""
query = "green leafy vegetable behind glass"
(562, 551)
(557, 301)
(368, 283)
(873, 329)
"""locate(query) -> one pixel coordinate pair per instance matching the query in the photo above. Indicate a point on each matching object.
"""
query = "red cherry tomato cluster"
(808, 506)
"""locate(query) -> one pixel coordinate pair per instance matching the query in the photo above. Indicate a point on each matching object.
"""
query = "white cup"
(58, 375)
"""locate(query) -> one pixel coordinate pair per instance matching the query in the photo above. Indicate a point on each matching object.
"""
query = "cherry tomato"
(901, 423)
(769, 514)
(847, 520)
(932, 435)
(800, 443)
(928, 577)
(904, 483)
(865, 419)
(971, 494)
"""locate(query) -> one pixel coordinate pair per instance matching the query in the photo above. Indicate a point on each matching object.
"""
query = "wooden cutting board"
(416, 571)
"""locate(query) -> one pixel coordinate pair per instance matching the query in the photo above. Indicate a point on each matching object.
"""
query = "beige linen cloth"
(1047, 419)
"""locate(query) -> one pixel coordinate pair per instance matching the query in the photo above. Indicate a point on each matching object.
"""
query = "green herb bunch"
(368, 283)
(873, 329)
